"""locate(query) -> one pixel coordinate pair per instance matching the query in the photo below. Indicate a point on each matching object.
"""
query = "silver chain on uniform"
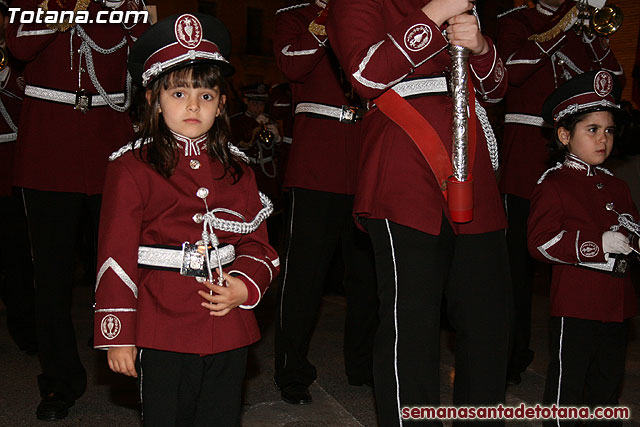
(210, 223)
(85, 49)
(492, 143)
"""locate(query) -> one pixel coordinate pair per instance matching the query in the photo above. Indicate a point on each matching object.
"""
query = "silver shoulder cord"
(210, 223)
(86, 47)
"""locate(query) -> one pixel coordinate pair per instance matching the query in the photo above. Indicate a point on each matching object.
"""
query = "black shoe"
(358, 382)
(513, 378)
(53, 407)
(296, 394)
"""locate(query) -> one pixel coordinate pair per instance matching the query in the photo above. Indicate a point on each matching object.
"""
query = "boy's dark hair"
(161, 152)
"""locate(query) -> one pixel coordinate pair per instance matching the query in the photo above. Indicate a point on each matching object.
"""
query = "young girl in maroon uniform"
(580, 221)
(183, 250)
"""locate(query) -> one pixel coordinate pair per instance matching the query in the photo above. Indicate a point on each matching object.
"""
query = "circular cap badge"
(110, 326)
(417, 37)
(602, 84)
(188, 31)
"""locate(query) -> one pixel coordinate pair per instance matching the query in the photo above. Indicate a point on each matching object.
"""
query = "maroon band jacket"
(534, 71)
(324, 152)
(161, 309)
(11, 93)
(567, 219)
(59, 148)
(395, 41)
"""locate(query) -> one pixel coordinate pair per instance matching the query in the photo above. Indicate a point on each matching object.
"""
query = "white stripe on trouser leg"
(560, 367)
(141, 402)
(286, 263)
(395, 322)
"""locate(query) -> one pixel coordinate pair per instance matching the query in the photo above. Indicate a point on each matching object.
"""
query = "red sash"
(418, 128)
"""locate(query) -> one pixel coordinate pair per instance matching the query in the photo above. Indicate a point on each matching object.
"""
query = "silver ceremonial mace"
(459, 188)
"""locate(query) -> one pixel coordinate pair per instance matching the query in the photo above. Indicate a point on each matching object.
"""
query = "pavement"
(111, 400)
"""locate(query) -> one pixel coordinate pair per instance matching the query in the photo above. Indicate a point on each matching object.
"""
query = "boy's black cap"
(256, 92)
(584, 93)
(178, 41)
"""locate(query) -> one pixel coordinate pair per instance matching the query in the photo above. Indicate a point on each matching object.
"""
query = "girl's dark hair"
(161, 152)
(557, 149)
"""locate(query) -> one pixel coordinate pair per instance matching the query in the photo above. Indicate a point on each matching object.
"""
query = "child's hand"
(440, 11)
(122, 360)
(224, 298)
(463, 31)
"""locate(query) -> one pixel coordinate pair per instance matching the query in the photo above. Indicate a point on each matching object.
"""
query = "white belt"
(8, 137)
(185, 260)
(344, 114)
(70, 98)
(526, 119)
(421, 86)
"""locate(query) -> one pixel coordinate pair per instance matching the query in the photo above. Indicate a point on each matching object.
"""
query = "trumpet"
(596, 19)
(4, 58)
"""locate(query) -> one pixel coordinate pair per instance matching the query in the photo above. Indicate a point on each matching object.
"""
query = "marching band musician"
(582, 218)
(535, 69)
(397, 56)
(73, 116)
(321, 172)
(15, 254)
(256, 133)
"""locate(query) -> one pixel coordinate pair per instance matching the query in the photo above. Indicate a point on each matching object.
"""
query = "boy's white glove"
(614, 242)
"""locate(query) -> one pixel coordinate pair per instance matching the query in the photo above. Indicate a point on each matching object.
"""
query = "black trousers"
(587, 360)
(17, 288)
(522, 270)
(189, 390)
(318, 223)
(414, 270)
(54, 219)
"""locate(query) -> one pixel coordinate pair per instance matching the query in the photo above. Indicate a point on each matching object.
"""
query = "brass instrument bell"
(264, 135)
(606, 21)
(601, 22)
(4, 58)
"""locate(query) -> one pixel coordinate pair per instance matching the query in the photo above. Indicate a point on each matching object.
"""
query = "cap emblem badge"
(602, 84)
(188, 31)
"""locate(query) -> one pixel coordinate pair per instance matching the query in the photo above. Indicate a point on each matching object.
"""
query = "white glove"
(614, 242)
(262, 119)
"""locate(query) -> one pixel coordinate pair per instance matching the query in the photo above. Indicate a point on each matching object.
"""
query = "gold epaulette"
(317, 29)
(64, 26)
(560, 27)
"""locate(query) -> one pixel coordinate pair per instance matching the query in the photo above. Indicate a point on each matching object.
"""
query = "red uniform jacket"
(11, 92)
(161, 309)
(566, 223)
(395, 181)
(59, 148)
(535, 70)
(324, 152)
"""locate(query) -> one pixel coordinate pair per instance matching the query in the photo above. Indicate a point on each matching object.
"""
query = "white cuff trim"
(248, 307)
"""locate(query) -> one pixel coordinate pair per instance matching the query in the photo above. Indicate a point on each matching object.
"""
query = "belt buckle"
(193, 260)
(83, 101)
(348, 114)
